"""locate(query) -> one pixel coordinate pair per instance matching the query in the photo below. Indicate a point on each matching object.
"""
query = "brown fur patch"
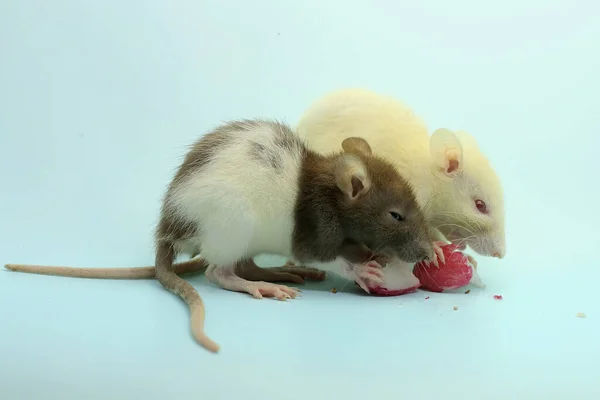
(317, 232)
(326, 217)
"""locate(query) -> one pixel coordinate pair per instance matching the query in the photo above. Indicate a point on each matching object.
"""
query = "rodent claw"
(280, 292)
(367, 275)
(362, 285)
(438, 254)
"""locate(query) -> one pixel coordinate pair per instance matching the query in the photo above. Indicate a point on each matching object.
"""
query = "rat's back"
(391, 128)
(241, 189)
(393, 131)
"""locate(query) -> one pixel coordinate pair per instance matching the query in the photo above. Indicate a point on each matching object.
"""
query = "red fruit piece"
(454, 273)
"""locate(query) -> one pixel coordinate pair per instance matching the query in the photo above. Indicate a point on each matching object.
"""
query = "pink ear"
(351, 176)
(357, 186)
(446, 151)
(452, 163)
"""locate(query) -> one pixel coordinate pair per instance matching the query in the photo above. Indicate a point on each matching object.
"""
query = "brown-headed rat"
(252, 187)
(454, 182)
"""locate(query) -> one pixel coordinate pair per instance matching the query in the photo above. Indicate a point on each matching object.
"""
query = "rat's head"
(379, 207)
(470, 203)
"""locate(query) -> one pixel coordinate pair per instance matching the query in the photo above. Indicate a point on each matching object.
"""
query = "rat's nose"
(498, 254)
(499, 249)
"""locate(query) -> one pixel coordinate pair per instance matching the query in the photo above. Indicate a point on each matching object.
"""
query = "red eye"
(480, 204)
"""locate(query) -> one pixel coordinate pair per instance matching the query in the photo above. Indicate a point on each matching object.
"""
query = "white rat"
(454, 182)
(252, 187)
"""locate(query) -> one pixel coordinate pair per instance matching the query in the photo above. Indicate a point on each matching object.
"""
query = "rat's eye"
(481, 206)
(396, 216)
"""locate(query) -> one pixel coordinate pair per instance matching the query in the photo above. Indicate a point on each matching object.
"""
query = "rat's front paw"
(438, 253)
(368, 275)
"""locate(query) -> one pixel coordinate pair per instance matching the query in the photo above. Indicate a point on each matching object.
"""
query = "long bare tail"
(186, 267)
(166, 275)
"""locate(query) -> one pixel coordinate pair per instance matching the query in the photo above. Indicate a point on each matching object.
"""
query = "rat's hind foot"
(267, 289)
(226, 278)
(368, 275)
(288, 273)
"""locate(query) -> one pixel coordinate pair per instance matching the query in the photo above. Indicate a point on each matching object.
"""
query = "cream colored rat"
(252, 187)
(454, 182)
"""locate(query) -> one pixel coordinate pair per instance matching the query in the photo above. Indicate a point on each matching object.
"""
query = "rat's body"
(455, 185)
(252, 187)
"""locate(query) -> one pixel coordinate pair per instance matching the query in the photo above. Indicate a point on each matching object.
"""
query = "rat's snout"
(414, 252)
(499, 253)
(487, 245)
(421, 250)
(498, 248)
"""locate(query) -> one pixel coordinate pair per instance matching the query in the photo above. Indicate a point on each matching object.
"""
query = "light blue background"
(99, 99)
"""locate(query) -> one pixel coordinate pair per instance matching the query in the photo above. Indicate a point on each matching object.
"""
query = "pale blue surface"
(99, 99)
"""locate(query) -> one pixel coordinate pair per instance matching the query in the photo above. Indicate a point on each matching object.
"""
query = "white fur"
(397, 134)
(244, 207)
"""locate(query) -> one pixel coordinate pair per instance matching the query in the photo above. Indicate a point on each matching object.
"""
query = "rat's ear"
(466, 140)
(446, 151)
(351, 176)
(356, 145)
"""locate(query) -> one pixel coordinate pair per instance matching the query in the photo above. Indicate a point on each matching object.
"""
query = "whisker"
(429, 203)
(345, 285)
(459, 217)
(348, 264)
(464, 223)
(460, 242)
(374, 251)
(458, 226)
(426, 270)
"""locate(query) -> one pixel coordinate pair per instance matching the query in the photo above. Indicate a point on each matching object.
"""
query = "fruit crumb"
(334, 290)
(498, 297)
(468, 291)
(580, 315)
(427, 298)
(455, 308)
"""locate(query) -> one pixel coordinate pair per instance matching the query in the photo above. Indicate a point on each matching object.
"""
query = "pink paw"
(438, 253)
(398, 279)
(267, 289)
(472, 261)
(368, 275)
